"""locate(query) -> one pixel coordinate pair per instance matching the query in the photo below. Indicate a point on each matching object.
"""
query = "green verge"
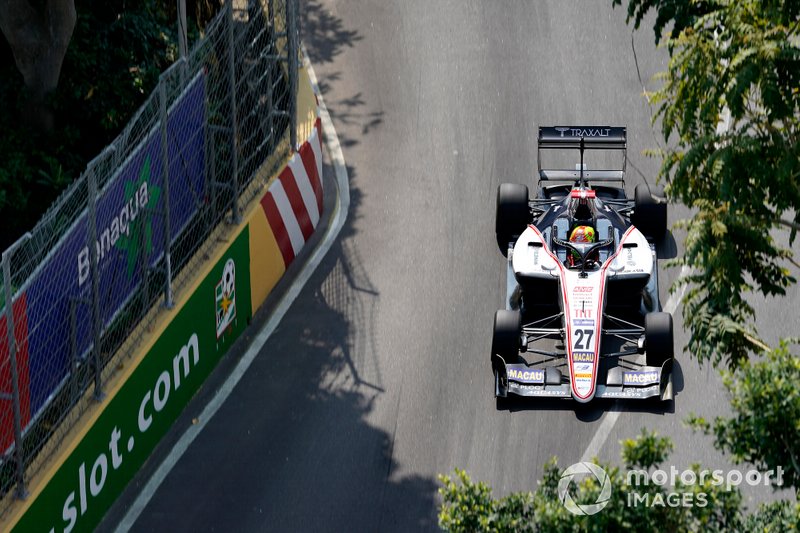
(133, 422)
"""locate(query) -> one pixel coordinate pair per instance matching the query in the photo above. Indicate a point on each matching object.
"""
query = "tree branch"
(39, 43)
(38, 40)
(787, 223)
(791, 455)
(758, 343)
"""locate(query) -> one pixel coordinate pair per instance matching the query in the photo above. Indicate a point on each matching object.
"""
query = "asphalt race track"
(378, 378)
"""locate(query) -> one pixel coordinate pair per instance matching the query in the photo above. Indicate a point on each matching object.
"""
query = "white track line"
(339, 215)
(600, 436)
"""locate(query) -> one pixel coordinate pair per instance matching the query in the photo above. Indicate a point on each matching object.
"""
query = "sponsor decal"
(583, 376)
(589, 132)
(129, 242)
(640, 378)
(553, 392)
(536, 390)
(583, 301)
(225, 294)
(582, 367)
(527, 376)
(583, 132)
(123, 232)
(638, 392)
(583, 322)
(91, 479)
(524, 387)
(586, 357)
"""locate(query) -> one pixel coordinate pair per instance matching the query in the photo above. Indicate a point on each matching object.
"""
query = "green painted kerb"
(133, 422)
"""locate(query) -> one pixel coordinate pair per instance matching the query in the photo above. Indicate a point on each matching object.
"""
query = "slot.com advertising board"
(143, 409)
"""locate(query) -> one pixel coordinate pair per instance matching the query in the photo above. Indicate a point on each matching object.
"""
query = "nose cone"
(581, 399)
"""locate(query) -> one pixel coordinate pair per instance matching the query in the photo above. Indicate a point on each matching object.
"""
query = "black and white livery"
(583, 320)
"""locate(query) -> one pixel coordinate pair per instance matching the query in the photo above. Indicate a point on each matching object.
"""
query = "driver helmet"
(582, 234)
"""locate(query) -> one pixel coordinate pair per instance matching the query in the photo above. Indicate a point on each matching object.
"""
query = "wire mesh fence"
(79, 288)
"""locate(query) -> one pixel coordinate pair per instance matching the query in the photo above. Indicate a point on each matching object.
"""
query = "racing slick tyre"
(658, 341)
(506, 337)
(513, 213)
(650, 210)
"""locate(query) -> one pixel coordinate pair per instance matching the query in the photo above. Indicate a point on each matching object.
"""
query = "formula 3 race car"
(582, 320)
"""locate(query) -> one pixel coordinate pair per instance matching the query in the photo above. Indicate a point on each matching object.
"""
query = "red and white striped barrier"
(293, 203)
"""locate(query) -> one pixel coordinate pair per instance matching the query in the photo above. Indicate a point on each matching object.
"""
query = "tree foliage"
(735, 62)
(764, 429)
(729, 108)
(469, 506)
(678, 14)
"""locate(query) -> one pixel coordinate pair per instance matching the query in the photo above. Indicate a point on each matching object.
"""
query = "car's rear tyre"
(650, 210)
(658, 342)
(513, 213)
(506, 335)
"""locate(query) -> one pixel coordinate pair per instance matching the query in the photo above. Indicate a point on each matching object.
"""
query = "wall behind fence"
(82, 285)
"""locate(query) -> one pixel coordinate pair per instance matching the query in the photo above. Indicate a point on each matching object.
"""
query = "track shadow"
(327, 379)
(324, 34)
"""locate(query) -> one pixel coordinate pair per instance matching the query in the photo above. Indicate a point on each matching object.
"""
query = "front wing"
(637, 383)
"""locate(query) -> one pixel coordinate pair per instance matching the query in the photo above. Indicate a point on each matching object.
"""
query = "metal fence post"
(22, 492)
(162, 103)
(272, 66)
(95, 273)
(234, 119)
(182, 39)
(291, 32)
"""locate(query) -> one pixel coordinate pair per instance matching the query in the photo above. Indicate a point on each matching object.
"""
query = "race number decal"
(583, 339)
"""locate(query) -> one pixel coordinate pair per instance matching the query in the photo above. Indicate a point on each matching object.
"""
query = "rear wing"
(582, 138)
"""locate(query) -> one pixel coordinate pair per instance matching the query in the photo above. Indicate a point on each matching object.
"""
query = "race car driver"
(581, 234)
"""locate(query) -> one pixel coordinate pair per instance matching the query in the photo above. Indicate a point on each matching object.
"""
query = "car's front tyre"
(506, 335)
(659, 343)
